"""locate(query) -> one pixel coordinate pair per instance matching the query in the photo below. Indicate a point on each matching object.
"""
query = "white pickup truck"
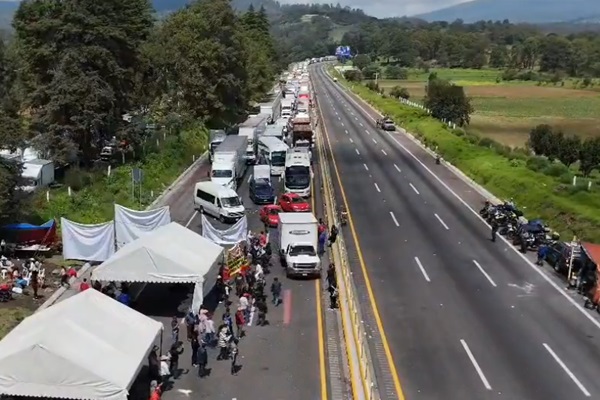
(298, 239)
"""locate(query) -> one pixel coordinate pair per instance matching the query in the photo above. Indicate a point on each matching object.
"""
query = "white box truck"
(229, 163)
(298, 239)
(252, 128)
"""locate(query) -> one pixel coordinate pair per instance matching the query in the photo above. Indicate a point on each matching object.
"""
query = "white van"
(219, 201)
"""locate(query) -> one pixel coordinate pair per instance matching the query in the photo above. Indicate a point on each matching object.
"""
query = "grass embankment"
(541, 187)
(506, 111)
(95, 193)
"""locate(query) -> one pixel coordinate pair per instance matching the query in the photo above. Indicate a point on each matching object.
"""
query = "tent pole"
(162, 331)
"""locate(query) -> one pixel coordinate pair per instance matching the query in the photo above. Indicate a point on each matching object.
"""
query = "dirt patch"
(527, 92)
(515, 131)
(22, 305)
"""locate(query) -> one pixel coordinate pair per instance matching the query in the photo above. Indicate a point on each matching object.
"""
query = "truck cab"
(260, 188)
(298, 238)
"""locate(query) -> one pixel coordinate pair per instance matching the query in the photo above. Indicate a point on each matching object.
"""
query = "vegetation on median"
(545, 190)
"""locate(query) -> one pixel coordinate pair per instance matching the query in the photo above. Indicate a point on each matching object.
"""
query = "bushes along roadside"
(95, 193)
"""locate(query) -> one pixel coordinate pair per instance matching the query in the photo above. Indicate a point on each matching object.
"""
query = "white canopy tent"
(86, 347)
(170, 254)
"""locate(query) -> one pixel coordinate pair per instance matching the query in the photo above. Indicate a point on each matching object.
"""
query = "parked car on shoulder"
(386, 124)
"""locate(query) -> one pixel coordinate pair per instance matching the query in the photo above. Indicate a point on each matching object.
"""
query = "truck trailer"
(229, 163)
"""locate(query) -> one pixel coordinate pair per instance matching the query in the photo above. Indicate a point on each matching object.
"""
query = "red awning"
(593, 251)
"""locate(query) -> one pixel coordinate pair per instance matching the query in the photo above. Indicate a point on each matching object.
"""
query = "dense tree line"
(74, 68)
(500, 44)
(556, 146)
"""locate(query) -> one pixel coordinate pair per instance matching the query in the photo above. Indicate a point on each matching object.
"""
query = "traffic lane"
(181, 198)
(548, 324)
(544, 303)
(424, 337)
(501, 258)
(283, 356)
(472, 197)
(448, 319)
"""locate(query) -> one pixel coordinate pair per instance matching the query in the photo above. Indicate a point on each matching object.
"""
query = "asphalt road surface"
(279, 361)
(462, 317)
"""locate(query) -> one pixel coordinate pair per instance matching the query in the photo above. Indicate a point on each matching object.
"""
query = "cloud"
(388, 8)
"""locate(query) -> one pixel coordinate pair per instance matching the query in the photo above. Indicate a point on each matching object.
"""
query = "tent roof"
(170, 254)
(86, 347)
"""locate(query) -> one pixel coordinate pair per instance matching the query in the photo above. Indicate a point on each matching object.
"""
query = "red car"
(269, 215)
(292, 202)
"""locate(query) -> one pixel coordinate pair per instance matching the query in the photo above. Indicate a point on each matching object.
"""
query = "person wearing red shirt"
(84, 285)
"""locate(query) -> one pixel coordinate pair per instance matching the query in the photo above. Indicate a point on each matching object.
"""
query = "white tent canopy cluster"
(86, 347)
(169, 254)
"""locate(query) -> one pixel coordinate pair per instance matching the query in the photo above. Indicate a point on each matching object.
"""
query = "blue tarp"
(28, 227)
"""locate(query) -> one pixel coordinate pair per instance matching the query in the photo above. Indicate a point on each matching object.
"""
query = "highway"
(285, 360)
(462, 317)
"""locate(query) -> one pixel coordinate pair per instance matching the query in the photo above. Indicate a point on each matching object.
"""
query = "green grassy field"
(545, 191)
(507, 111)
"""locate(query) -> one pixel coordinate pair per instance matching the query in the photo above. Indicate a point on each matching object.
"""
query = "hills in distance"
(526, 11)
(530, 11)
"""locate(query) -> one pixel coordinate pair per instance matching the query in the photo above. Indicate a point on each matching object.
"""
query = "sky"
(388, 8)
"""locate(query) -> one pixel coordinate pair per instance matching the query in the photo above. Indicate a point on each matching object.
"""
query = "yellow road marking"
(378, 320)
(345, 322)
(320, 330)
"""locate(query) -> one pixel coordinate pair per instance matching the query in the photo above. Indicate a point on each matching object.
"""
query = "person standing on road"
(164, 371)
(174, 354)
(174, 330)
(261, 306)
(234, 350)
(239, 322)
(322, 242)
(331, 275)
(202, 359)
(224, 338)
(195, 346)
(333, 232)
(276, 291)
(494, 230)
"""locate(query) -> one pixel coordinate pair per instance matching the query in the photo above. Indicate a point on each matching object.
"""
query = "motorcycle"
(343, 216)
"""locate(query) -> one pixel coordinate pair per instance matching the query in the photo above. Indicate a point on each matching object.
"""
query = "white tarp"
(132, 224)
(229, 236)
(87, 242)
(88, 346)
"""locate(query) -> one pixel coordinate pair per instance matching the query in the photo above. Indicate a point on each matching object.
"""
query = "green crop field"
(506, 112)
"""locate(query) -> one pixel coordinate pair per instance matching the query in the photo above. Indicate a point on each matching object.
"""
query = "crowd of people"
(245, 295)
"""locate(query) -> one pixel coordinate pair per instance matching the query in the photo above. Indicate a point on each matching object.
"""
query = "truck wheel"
(222, 218)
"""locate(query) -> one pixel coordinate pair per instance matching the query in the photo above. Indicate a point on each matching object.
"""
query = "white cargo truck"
(229, 163)
(298, 239)
(252, 128)
(36, 174)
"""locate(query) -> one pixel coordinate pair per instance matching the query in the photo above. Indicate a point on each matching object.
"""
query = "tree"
(361, 61)
(10, 175)
(569, 150)
(400, 92)
(78, 86)
(589, 156)
(260, 51)
(540, 138)
(204, 59)
(12, 134)
(498, 57)
(396, 72)
(353, 75)
(448, 102)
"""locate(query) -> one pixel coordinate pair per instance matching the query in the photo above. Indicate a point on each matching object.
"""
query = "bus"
(274, 150)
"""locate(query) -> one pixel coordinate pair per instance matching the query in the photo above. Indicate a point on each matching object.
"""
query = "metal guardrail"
(348, 298)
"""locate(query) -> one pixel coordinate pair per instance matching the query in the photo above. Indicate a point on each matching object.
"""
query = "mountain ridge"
(517, 11)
